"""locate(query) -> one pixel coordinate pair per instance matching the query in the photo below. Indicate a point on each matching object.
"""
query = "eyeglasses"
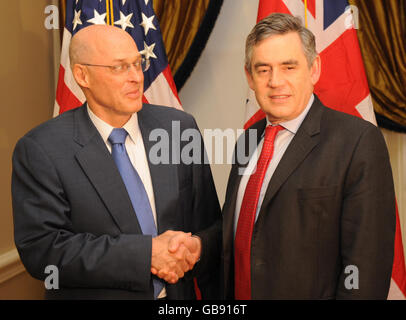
(142, 64)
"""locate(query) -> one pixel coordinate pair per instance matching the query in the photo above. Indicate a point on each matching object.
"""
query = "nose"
(135, 75)
(276, 78)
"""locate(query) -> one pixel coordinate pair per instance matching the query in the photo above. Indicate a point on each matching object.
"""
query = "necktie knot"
(271, 132)
(118, 135)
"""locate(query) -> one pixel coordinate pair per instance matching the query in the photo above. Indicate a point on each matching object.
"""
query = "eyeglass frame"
(127, 66)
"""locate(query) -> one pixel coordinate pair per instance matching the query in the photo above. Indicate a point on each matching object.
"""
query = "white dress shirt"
(282, 141)
(135, 149)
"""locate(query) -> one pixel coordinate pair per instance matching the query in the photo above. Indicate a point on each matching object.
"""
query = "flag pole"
(305, 9)
(111, 13)
(107, 12)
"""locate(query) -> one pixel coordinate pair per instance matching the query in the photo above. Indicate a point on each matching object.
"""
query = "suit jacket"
(71, 209)
(329, 205)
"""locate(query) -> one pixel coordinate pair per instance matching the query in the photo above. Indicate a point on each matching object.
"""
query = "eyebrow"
(290, 62)
(283, 63)
(123, 59)
(261, 64)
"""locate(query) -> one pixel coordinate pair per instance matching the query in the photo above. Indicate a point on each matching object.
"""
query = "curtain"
(62, 17)
(192, 20)
(179, 21)
(382, 37)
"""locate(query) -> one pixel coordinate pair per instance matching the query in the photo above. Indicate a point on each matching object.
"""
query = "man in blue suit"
(74, 206)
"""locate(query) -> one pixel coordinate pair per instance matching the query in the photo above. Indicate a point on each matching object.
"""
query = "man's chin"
(274, 116)
(134, 106)
(276, 110)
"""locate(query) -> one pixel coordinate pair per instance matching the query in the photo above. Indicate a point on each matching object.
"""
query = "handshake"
(173, 254)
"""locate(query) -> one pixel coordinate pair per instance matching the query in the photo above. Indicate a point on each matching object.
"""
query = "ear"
(250, 80)
(315, 70)
(81, 75)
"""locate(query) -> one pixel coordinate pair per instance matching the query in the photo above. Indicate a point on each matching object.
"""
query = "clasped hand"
(173, 254)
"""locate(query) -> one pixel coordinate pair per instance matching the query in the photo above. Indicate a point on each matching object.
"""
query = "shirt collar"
(294, 124)
(105, 129)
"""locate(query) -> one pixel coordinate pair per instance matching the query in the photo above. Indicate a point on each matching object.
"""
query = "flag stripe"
(64, 96)
(168, 76)
(160, 90)
(311, 7)
(364, 109)
(394, 291)
(350, 85)
(398, 272)
(267, 7)
(259, 115)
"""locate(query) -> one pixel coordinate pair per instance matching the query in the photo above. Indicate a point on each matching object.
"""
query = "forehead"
(115, 46)
(278, 48)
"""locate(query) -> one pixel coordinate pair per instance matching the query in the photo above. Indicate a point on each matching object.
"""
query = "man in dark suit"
(316, 218)
(74, 186)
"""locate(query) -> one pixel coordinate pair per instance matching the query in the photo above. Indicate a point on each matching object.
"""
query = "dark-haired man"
(316, 219)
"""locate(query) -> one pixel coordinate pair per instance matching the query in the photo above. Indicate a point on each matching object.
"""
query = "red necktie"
(242, 244)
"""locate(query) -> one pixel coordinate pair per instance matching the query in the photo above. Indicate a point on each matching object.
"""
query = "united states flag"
(343, 84)
(137, 17)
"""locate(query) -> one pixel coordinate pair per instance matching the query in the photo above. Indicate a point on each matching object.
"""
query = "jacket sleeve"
(368, 221)
(44, 234)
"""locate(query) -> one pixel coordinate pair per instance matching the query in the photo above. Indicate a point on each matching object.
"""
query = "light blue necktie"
(135, 189)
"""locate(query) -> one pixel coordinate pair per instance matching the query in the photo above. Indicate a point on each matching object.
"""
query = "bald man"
(89, 201)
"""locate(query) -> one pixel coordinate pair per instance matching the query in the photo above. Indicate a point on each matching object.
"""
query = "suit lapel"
(229, 209)
(306, 138)
(164, 177)
(99, 167)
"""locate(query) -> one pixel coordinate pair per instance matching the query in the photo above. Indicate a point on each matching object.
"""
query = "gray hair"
(279, 24)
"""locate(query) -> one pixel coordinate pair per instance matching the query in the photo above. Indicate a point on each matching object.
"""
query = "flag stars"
(147, 23)
(124, 21)
(148, 51)
(98, 18)
(76, 19)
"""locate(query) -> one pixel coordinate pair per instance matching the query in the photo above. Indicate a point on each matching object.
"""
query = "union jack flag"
(137, 17)
(343, 84)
